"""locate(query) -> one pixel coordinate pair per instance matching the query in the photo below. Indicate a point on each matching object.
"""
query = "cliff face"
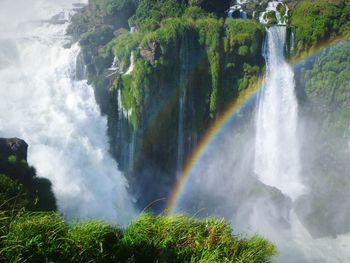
(164, 82)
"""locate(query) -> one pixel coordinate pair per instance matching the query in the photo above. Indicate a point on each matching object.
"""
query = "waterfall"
(180, 139)
(184, 61)
(277, 160)
(272, 6)
(132, 64)
(43, 102)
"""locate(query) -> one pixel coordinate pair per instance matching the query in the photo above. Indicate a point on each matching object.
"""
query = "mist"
(43, 102)
(305, 215)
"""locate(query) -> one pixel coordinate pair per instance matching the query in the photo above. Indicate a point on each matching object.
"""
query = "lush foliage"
(12, 194)
(112, 6)
(150, 13)
(45, 237)
(315, 21)
(327, 85)
(183, 239)
(21, 188)
(324, 80)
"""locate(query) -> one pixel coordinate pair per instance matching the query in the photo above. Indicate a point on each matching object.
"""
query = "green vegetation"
(316, 21)
(178, 47)
(270, 17)
(112, 6)
(215, 36)
(123, 45)
(324, 80)
(150, 13)
(327, 85)
(209, 30)
(45, 237)
(12, 194)
(27, 236)
(21, 188)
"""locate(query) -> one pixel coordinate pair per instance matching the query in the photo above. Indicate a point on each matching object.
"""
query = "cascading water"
(277, 160)
(42, 101)
(184, 61)
(180, 139)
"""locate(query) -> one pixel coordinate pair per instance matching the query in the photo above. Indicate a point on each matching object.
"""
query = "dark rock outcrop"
(13, 146)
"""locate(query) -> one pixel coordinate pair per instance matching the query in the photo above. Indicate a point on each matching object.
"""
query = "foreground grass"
(45, 237)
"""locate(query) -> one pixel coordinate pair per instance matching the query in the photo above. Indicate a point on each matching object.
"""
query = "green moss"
(209, 31)
(240, 32)
(243, 51)
(98, 37)
(12, 159)
(124, 44)
(169, 32)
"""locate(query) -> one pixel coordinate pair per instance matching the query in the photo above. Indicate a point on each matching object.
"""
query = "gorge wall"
(164, 71)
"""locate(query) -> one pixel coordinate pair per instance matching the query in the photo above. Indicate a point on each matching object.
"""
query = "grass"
(45, 237)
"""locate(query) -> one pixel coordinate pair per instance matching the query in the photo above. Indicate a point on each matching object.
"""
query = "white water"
(277, 158)
(184, 61)
(219, 184)
(180, 136)
(132, 64)
(42, 103)
(272, 6)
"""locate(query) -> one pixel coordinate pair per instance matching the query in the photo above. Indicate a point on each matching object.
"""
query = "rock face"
(185, 74)
(13, 146)
(151, 53)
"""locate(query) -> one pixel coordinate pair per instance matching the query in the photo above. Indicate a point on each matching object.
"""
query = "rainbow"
(244, 101)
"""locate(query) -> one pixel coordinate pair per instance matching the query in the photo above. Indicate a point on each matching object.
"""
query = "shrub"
(315, 21)
(93, 241)
(183, 239)
(46, 238)
(112, 6)
(12, 195)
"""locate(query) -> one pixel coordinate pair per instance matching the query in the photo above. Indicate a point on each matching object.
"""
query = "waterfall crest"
(277, 158)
